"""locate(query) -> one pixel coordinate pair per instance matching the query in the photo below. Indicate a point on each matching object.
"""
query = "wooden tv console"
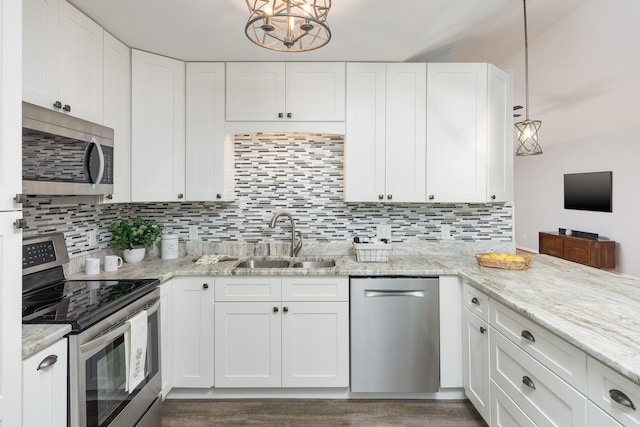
(594, 253)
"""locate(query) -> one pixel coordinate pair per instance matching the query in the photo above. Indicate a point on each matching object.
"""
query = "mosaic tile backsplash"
(299, 173)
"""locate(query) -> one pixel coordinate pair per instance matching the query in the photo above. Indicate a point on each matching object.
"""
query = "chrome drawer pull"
(621, 398)
(483, 329)
(49, 361)
(475, 301)
(528, 382)
(528, 335)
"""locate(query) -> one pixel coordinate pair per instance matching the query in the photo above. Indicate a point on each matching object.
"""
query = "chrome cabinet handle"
(389, 196)
(285, 309)
(288, 115)
(380, 196)
(493, 197)
(20, 223)
(67, 108)
(280, 115)
(431, 197)
(528, 336)
(205, 286)
(621, 398)
(528, 382)
(275, 309)
(47, 361)
(475, 301)
(180, 195)
(218, 196)
(57, 104)
(483, 329)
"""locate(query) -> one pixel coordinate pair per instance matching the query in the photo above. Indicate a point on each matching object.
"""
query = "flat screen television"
(588, 191)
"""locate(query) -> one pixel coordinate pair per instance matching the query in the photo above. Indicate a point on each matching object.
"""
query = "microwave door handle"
(102, 340)
(101, 167)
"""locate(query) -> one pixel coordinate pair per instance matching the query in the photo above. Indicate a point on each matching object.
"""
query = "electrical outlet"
(445, 232)
(383, 231)
(93, 239)
(193, 232)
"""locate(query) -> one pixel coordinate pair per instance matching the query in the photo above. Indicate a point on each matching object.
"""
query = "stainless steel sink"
(314, 264)
(263, 263)
(284, 263)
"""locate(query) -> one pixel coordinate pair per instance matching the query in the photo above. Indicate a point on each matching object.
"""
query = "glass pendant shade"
(528, 137)
(288, 25)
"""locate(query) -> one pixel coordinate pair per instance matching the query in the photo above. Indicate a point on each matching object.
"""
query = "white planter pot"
(134, 255)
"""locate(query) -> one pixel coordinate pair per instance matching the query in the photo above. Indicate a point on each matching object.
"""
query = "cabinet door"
(117, 112)
(40, 28)
(255, 91)
(192, 323)
(364, 147)
(157, 136)
(166, 338)
(405, 133)
(315, 91)
(315, 344)
(207, 168)
(248, 344)
(475, 359)
(44, 387)
(500, 136)
(456, 132)
(80, 64)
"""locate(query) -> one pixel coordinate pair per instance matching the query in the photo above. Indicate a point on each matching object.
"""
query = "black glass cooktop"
(81, 303)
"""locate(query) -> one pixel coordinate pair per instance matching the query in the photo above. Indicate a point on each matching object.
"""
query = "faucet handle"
(298, 245)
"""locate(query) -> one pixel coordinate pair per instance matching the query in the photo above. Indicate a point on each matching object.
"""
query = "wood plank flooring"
(312, 412)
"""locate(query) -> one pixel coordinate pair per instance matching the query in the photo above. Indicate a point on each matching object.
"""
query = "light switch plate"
(193, 232)
(383, 231)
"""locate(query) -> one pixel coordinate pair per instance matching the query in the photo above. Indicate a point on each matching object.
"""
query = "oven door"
(101, 369)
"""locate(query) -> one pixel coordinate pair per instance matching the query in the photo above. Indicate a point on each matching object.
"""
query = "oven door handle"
(105, 339)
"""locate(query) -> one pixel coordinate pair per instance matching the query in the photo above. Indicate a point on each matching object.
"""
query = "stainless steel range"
(98, 312)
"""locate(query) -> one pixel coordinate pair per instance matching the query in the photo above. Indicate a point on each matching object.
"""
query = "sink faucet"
(295, 247)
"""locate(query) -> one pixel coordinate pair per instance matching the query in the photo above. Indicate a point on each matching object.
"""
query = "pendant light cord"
(526, 59)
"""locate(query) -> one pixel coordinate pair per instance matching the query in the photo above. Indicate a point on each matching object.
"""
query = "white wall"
(539, 199)
(584, 75)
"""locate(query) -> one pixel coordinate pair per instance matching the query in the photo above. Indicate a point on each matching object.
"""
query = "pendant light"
(288, 25)
(527, 130)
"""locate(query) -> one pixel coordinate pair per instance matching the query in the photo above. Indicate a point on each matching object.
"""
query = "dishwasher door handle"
(392, 293)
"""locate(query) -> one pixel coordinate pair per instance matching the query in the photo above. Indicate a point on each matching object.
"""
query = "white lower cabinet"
(271, 342)
(615, 394)
(504, 411)
(542, 395)
(596, 417)
(166, 338)
(475, 356)
(192, 325)
(44, 387)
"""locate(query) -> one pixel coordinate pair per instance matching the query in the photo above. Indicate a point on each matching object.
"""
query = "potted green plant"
(134, 237)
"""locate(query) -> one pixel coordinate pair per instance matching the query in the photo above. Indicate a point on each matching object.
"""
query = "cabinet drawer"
(323, 288)
(577, 251)
(504, 412)
(542, 395)
(248, 289)
(475, 301)
(596, 417)
(563, 359)
(607, 386)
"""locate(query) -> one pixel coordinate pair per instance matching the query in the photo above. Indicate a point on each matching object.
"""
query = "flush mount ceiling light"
(527, 129)
(288, 25)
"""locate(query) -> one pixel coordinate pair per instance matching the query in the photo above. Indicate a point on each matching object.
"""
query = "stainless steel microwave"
(64, 155)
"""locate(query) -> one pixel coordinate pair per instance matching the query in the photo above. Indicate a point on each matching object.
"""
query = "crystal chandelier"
(289, 25)
(528, 129)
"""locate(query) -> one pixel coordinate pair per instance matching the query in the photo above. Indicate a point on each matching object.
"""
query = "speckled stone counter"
(37, 337)
(592, 309)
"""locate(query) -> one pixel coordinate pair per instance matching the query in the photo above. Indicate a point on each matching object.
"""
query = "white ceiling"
(362, 30)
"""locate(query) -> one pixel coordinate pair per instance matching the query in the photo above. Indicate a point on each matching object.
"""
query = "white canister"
(169, 246)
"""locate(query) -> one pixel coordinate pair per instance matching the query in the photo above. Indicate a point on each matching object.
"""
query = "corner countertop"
(594, 310)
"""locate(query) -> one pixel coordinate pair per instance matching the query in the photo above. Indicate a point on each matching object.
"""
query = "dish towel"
(135, 350)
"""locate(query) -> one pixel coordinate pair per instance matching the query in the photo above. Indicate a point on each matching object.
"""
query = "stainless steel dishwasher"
(395, 334)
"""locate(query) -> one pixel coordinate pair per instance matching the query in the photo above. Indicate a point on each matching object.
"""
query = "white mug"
(112, 262)
(92, 266)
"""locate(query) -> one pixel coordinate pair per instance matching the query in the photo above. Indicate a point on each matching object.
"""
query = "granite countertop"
(592, 309)
(38, 337)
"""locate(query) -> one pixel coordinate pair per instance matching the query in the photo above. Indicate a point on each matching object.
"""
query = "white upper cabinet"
(385, 141)
(117, 112)
(209, 155)
(62, 59)
(469, 152)
(274, 91)
(157, 128)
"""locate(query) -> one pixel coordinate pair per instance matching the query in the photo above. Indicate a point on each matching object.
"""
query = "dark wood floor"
(311, 412)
